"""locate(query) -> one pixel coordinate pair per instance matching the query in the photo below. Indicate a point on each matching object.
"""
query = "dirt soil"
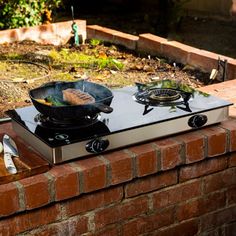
(38, 69)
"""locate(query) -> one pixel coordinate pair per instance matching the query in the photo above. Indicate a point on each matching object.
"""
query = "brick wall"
(180, 185)
(157, 46)
(57, 33)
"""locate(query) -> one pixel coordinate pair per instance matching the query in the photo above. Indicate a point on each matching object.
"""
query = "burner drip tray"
(53, 123)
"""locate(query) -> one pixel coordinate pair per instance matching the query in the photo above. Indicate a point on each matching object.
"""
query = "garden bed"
(26, 65)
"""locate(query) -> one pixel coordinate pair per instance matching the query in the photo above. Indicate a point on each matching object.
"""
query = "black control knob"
(97, 145)
(197, 121)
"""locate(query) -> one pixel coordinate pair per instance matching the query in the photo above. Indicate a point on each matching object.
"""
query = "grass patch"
(99, 61)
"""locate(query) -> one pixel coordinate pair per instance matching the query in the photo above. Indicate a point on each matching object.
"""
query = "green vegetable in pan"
(55, 101)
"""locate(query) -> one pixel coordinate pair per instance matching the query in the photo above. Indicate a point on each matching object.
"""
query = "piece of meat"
(77, 97)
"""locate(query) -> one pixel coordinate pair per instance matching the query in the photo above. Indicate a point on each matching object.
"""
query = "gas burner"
(138, 116)
(162, 97)
(53, 123)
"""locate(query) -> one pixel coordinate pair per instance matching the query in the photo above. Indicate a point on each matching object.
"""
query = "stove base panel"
(119, 139)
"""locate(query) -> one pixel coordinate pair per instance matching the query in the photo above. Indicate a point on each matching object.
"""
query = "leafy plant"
(24, 13)
(95, 42)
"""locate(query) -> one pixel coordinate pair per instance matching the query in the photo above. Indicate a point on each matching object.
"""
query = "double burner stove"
(139, 114)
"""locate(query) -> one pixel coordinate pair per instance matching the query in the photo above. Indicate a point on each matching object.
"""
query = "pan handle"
(104, 108)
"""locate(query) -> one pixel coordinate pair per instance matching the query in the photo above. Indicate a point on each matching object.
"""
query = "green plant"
(95, 42)
(24, 13)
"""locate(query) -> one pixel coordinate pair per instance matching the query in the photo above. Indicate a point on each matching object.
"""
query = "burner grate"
(159, 96)
(163, 95)
(52, 123)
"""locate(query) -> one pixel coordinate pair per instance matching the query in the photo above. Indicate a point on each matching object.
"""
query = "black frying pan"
(102, 95)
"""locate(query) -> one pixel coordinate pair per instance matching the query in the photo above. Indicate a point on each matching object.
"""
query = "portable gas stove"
(139, 114)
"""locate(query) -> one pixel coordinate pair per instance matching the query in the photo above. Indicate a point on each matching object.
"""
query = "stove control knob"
(197, 121)
(97, 145)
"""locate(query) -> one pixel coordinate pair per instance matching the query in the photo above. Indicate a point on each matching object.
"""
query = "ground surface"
(33, 66)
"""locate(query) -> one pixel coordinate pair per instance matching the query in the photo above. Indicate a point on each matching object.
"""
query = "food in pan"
(77, 97)
(70, 97)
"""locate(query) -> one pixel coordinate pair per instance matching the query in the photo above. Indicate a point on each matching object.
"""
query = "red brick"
(186, 228)
(231, 69)
(9, 199)
(149, 223)
(91, 31)
(30, 220)
(231, 195)
(102, 33)
(216, 140)
(202, 168)
(127, 40)
(66, 182)
(9, 36)
(146, 159)
(92, 201)
(220, 180)
(221, 217)
(224, 86)
(75, 226)
(113, 230)
(194, 146)
(117, 213)
(232, 159)
(150, 43)
(93, 172)
(6, 228)
(176, 194)
(170, 153)
(230, 229)
(36, 190)
(232, 109)
(226, 93)
(120, 166)
(151, 183)
(200, 206)
(230, 125)
(113, 36)
(203, 59)
(224, 90)
(221, 90)
(176, 51)
(56, 33)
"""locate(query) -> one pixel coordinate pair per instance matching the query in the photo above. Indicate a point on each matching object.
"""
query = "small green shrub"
(24, 13)
(95, 42)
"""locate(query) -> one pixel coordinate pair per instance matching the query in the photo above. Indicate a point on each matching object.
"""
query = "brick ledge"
(87, 175)
(163, 156)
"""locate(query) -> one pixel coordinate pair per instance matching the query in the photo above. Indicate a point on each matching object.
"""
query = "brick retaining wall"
(180, 185)
(158, 46)
(185, 185)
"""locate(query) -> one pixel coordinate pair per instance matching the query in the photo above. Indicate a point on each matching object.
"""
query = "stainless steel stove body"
(134, 119)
